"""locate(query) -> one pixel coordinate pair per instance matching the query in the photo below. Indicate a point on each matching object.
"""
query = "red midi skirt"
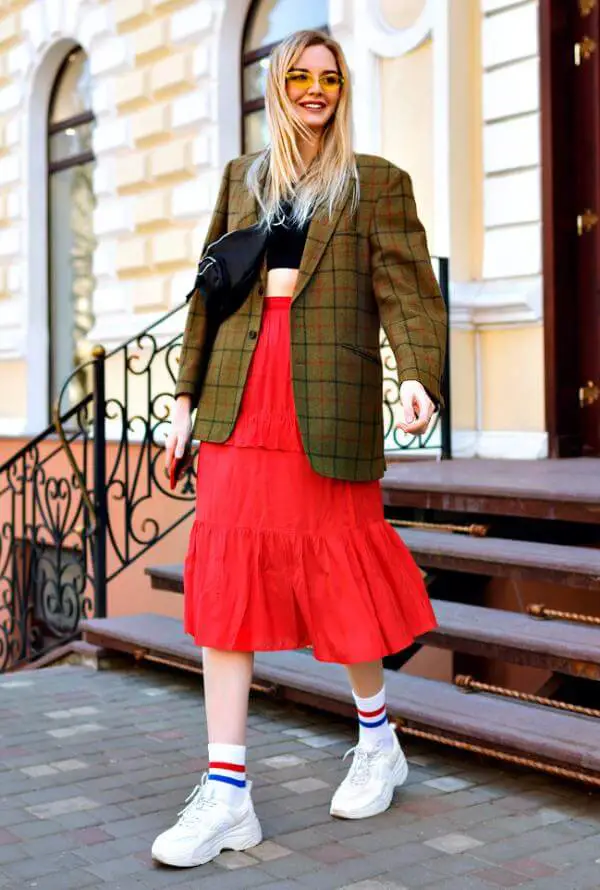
(281, 557)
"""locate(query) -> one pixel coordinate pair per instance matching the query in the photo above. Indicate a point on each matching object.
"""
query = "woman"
(289, 546)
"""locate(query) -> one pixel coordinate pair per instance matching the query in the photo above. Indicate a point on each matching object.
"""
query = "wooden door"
(570, 86)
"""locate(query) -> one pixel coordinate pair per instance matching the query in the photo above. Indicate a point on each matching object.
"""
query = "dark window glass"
(71, 241)
(269, 22)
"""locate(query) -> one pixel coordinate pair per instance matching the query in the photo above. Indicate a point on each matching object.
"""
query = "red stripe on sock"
(376, 713)
(235, 767)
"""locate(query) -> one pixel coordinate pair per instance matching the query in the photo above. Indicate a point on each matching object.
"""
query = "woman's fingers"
(169, 450)
(417, 408)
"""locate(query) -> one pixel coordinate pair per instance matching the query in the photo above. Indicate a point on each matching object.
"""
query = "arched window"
(71, 239)
(269, 22)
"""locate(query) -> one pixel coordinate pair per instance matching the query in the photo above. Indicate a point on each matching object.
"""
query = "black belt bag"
(228, 270)
(224, 279)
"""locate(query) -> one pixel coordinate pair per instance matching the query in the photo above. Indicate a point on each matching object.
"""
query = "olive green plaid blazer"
(358, 271)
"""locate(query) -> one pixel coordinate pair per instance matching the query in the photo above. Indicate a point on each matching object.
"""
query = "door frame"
(558, 216)
(560, 242)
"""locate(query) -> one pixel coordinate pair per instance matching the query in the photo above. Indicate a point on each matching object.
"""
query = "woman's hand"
(180, 430)
(417, 407)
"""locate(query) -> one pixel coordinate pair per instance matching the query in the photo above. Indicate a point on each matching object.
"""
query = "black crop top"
(285, 242)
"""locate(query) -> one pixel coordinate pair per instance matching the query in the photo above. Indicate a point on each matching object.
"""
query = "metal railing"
(437, 439)
(68, 528)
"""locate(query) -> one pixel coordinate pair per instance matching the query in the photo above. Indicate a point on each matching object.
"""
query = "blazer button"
(252, 335)
(261, 291)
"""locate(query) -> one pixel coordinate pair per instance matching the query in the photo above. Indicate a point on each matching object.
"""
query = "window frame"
(52, 167)
(248, 106)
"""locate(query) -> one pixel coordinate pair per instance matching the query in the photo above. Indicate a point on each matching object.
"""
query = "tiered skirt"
(281, 557)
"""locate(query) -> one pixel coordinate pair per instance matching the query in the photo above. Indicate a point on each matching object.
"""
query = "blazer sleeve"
(411, 307)
(194, 337)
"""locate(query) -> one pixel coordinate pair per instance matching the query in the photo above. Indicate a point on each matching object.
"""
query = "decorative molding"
(228, 75)
(500, 444)
(496, 304)
(14, 426)
(388, 42)
(35, 255)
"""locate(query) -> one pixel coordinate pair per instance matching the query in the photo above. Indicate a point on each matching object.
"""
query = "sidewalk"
(94, 764)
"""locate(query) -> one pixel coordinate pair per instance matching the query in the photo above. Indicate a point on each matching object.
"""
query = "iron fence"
(66, 533)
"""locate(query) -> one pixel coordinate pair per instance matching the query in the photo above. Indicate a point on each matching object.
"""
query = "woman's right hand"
(180, 430)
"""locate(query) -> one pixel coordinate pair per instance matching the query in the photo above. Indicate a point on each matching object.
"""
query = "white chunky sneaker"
(369, 786)
(206, 826)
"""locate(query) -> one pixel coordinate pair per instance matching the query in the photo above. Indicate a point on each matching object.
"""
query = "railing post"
(446, 415)
(100, 498)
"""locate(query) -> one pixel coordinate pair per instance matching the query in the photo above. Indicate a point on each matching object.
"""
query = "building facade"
(117, 117)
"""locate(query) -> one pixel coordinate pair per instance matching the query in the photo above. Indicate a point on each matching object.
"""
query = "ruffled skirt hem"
(352, 596)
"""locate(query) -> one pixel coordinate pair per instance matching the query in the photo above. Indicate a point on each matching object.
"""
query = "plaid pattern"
(358, 271)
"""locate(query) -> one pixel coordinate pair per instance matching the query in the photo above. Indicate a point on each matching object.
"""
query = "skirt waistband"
(278, 302)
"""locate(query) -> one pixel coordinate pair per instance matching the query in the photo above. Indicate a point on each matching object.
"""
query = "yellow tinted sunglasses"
(304, 80)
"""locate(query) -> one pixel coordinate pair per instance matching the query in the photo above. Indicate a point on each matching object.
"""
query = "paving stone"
(453, 843)
(268, 851)
(303, 786)
(232, 859)
(61, 807)
(283, 761)
(69, 765)
(80, 729)
(448, 783)
(44, 769)
(373, 885)
(530, 867)
(7, 837)
(116, 868)
(151, 750)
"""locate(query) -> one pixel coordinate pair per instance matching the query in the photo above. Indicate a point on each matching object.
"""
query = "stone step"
(540, 737)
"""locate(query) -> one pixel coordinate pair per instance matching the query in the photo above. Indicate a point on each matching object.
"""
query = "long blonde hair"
(273, 176)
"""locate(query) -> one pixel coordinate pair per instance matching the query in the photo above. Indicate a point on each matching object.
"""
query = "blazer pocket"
(371, 355)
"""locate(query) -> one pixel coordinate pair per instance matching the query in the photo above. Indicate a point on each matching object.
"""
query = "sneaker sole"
(239, 838)
(380, 805)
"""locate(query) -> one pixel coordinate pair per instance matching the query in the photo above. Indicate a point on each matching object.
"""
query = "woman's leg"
(202, 831)
(227, 679)
(379, 764)
(366, 678)
(368, 690)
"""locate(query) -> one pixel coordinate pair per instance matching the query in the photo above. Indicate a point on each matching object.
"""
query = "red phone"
(179, 465)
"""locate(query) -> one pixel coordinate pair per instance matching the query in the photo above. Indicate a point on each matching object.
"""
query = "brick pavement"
(94, 764)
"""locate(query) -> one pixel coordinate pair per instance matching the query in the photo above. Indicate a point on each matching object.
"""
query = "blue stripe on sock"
(379, 722)
(239, 783)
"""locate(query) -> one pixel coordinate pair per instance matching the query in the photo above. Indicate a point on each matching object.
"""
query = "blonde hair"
(275, 175)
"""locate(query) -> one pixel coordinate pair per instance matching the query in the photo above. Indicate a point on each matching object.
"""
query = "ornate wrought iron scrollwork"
(67, 527)
(45, 544)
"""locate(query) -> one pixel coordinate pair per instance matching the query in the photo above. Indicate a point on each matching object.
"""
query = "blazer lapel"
(248, 211)
(319, 233)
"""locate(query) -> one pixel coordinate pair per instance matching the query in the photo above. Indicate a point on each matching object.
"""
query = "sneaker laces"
(361, 765)
(196, 803)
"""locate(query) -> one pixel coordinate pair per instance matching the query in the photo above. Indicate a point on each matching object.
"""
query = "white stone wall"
(166, 96)
(509, 291)
(154, 65)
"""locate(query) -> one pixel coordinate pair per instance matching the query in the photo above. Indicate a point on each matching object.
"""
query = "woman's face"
(315, 102)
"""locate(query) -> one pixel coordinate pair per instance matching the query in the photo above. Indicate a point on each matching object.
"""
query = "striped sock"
(373, 726)
(227, 771)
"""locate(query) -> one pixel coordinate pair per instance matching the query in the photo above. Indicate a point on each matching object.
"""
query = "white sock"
(227, 772)
(373, 725)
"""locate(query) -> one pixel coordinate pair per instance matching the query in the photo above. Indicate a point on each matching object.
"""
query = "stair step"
(554, 645)
(506, 558)
(495, 724)
(561, 646)
(520, 560)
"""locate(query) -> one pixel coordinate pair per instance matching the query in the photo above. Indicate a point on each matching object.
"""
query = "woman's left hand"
(416, 406)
